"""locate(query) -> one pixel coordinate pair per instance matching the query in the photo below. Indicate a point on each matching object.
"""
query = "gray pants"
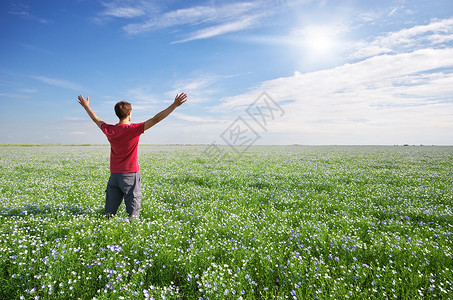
(123, 186)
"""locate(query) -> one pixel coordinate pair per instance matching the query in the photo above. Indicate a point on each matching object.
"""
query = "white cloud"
(28, 90)
(124, 12)
(377, 100)
(77, 133)
(200, 22)
(59, 83)
(220, 29)
(436, 33)
(75, 119)
(23, 11)
(208, 14)
(199, 86)
(127, 8)
(142, 94)
(394, 10)
(195, 119)
(382, 14)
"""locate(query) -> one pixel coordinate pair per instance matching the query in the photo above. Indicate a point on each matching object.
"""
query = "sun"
(317, 43)
(319, 40)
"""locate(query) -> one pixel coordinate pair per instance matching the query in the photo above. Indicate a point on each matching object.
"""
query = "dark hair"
(122, 109)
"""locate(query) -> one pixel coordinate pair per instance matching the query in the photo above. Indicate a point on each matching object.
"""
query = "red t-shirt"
(123, 140)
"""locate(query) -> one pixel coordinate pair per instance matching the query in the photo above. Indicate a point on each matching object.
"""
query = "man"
(124, 181)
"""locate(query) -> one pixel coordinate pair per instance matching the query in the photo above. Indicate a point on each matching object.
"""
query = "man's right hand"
(83, 102)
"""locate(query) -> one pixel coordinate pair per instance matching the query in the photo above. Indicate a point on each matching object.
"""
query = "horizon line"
(226, 145)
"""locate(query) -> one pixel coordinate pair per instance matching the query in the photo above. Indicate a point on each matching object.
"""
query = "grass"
(274, 222)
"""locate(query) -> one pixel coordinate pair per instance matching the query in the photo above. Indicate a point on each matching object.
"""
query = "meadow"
(274, 222)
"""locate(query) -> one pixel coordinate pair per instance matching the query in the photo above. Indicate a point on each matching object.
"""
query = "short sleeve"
(104, 127)
(140, 127)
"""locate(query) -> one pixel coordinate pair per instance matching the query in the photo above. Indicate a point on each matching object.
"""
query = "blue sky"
(339, 72)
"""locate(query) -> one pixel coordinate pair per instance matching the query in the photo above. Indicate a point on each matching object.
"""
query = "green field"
(273, 222)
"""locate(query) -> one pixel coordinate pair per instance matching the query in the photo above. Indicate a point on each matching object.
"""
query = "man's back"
(123, 140)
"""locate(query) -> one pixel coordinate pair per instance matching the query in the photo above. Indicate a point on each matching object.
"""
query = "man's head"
(123, 109)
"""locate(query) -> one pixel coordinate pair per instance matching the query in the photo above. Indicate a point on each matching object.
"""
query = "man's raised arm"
(179, 99)
(86, 105)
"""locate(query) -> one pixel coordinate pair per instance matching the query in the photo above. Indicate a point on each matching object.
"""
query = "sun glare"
(317, 42)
